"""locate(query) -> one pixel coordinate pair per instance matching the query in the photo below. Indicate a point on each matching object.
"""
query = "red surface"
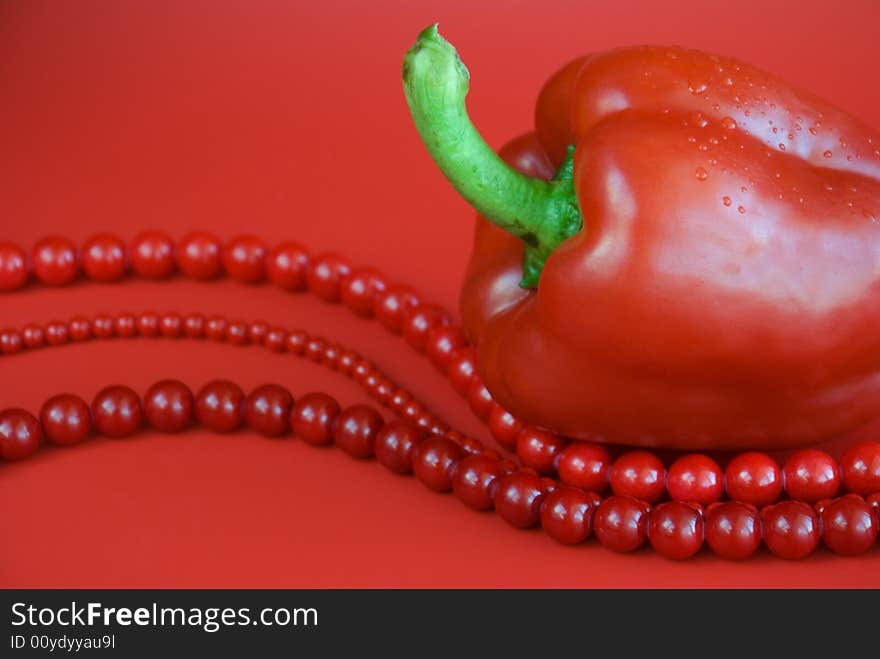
(287, 120)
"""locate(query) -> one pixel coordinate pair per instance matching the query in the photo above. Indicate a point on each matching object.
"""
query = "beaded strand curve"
(754, 477)
(733, 530)
(809, 475)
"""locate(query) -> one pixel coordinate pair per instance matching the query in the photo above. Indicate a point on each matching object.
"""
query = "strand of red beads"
(755, 478)
(733, 530)
(636, 473)
(296, 342)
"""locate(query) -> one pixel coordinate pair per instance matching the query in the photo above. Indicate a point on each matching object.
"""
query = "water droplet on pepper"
(697, 87)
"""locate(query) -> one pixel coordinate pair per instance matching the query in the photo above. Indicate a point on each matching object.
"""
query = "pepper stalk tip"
(541, 213)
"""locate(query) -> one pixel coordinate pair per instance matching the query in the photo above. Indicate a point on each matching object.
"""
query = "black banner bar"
(416, 622)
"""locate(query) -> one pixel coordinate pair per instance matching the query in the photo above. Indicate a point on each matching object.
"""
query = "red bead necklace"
(570, 510)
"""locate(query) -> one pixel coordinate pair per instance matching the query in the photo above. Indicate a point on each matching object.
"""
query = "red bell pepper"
(701, 270)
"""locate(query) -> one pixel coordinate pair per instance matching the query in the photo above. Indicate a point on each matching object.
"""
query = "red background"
(286, 119)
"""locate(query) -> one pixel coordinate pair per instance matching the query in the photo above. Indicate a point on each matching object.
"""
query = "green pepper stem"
(541, 213)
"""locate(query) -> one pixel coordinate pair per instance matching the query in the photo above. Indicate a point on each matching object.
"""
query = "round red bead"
(424, 421)
(476, 480)
(585, 465)
(276, 339)
(621, 523)
(675, 530)
(55, 261)
(330, 356)
(638, 474)
(325, 276)
(462, 369)
(11, 342)
(117, 412)
(267, 410)
(13, 267)
(257, 331)
(434, 462)
(171, 325)
(420, 322)
(355, 430)
(360, 289)
(696, 478)
(382, 391)
(220, 406)
(215, 328)
(65, 419)
(147, 324)
(733, 530)
(126, 325)
(236, 333)
(392, 307)
(287, 266)
(152, 255)
(442, 344)
(312, 418)
(480, 400)
(395, 443)
(245, 259)
(103, 258)
(56, 333)
(314, 350)
(567, 514)
(754, 478)
(791, 529)
(19, 434)
(200, 256)
(103, 327)
(811, 475)
(860, 468)
(849, 526)
(32, 336)
(79, 328)
(539, 449)
(295, 343)
(194, 326)
(361, 370)
(504, 427)
(169, 405)
(518, 498)
(400, 399)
